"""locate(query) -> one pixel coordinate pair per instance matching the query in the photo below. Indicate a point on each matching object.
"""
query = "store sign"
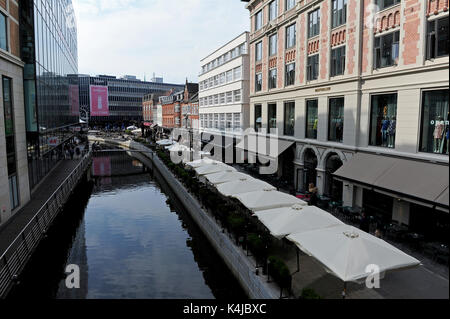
(99, 100)
(53, 141)
(74, 98)
(323, 89)
(432, 122)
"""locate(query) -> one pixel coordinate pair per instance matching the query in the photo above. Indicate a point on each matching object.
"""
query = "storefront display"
(336, 120)
(383, 123)
(312, 119)
(435, 122)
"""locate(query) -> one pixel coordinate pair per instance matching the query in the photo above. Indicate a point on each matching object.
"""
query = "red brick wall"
(367, 33)
(301, 56)
(411, 27)
(352, 23)
(265, 67)
(324, 40)
(281, 45)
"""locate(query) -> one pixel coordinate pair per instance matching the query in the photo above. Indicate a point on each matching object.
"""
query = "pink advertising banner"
(99, 100)
(101, 166)
(74, 96)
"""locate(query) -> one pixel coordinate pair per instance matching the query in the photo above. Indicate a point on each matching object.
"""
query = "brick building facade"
(341, 78)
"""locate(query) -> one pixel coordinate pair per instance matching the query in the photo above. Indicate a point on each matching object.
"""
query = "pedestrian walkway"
(12, 228)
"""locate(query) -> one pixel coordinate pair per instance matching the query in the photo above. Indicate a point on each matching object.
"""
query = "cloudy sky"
(168, 37)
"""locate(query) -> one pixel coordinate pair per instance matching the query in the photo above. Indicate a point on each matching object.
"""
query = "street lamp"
(186, 117)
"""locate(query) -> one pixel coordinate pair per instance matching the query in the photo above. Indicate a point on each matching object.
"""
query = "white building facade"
(224, 88)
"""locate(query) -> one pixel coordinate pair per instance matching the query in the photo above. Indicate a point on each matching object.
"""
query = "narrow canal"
(130, 238)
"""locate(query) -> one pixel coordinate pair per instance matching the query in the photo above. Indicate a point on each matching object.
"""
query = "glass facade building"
(48, 36)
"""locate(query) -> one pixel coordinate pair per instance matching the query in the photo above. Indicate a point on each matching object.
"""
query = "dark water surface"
(130, 239)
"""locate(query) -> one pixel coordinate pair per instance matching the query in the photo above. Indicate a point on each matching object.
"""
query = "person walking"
(365, 223)
(71, 151)
(313, 199)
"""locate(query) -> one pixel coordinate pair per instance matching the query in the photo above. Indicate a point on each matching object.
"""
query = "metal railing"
(13, 260)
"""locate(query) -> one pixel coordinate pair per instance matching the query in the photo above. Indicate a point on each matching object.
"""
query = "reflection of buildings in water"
(215, 272)
(117, 170)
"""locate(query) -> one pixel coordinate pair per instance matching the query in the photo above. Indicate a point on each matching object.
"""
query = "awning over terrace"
(404, 178)
(351, 254)
(284, 221)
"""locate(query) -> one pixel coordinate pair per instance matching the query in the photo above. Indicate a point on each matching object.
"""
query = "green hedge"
(308, 293)
(279, 272)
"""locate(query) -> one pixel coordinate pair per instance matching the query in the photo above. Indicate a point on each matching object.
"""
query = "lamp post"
(189, 128)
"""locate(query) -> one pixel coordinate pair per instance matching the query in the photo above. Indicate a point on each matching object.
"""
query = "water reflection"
(133, 240)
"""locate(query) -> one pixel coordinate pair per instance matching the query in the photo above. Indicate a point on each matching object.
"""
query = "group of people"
(365, 219)
(72, 151)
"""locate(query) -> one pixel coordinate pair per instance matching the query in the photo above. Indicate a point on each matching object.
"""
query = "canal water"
(130, 239)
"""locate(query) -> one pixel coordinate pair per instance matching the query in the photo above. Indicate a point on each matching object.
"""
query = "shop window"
(258, 82)
(312, 118)
(10, 141)
(289, 118)
(437, 38)
(312, 67)
(383, 120)
(336, 120)
(386, 50)
(272, 78)
(290, 74)
(258, 117)
(338, 61)
(339, 12)
(272, 116)
(435, 122)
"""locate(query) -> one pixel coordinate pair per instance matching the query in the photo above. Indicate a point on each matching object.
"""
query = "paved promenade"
(12, 228)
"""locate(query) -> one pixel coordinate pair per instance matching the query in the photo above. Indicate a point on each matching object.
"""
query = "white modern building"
(224, 88)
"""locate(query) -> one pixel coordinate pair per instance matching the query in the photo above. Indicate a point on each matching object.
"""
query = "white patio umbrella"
(284, 221)
(250, 184)
(178, 148)
(226, 176)
(213, 168)
(165, 142)
(268, 199)
(346, 252)
(201, 162)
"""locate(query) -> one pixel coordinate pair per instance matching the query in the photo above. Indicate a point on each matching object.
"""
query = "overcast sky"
(168, 37)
